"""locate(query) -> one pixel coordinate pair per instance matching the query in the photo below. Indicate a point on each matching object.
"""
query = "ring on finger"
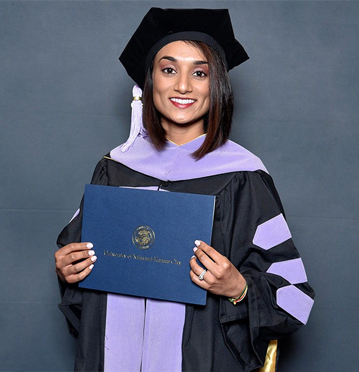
(201, 275)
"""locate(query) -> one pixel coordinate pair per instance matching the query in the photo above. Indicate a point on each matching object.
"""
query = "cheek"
(204, 91)
(158, 92)
(157, 100)
(206, 97)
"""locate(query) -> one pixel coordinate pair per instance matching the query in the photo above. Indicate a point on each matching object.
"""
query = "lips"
(182, 102)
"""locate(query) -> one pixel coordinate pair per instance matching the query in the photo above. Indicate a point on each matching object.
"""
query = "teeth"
(182, 101)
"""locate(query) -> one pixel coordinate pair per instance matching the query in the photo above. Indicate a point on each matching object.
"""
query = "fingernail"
(91, 253)
(93, 259)
(194, 249)
(89, 245)
(91, 267)
(193, 256)
(197, 242)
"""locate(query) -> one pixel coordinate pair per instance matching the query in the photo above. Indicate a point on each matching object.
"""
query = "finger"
(201, 283)
(221, 264)
(77, 272)
(80, 266)
(80, 276)
(74, 247)
(196, 268)
(210, 251)
(73, 257)
(204, 259)
(193, 264)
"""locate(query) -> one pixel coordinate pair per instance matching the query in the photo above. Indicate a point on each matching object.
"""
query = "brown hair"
(217, 122)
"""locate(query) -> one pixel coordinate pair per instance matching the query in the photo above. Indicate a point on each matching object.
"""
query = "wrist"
(238, 287)
(241, 297)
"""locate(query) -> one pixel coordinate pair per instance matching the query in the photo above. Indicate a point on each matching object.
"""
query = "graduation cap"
(163, 26)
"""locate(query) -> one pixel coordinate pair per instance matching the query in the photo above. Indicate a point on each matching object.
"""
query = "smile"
(182, 101)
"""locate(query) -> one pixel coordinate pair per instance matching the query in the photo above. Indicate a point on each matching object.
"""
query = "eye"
(168, 70)
(199, 73)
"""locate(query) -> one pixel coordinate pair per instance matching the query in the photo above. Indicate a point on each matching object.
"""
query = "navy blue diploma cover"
(144, 240)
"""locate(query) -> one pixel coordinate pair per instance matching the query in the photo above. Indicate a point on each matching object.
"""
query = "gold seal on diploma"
(143, 237)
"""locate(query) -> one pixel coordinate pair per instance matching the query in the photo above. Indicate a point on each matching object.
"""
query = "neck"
(183, 134)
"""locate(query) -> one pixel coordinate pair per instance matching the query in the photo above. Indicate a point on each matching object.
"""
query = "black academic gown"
(218, 337)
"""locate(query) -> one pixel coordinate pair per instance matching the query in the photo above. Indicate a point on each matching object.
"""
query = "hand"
(74, 261)
(222, 278)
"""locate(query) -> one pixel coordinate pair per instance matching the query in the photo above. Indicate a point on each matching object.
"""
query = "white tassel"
(136, 118)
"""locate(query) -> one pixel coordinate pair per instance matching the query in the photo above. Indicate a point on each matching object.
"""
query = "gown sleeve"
(256, 239)
(71, 295)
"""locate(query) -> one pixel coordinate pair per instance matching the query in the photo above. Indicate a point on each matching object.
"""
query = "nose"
(183, 83)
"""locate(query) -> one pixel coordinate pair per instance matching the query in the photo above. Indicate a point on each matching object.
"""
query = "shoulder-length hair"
(217, 122)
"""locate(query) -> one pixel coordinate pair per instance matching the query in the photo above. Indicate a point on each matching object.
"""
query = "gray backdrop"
(65, 101)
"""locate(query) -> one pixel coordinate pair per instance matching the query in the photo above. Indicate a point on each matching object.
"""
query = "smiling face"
(181, 91)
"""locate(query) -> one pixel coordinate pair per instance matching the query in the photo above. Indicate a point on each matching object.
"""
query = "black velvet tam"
(162, 26)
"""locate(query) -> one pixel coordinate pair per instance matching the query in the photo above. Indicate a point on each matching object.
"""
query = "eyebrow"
(175, 60)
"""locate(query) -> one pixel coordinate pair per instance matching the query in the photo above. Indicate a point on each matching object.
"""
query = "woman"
(256, 282)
